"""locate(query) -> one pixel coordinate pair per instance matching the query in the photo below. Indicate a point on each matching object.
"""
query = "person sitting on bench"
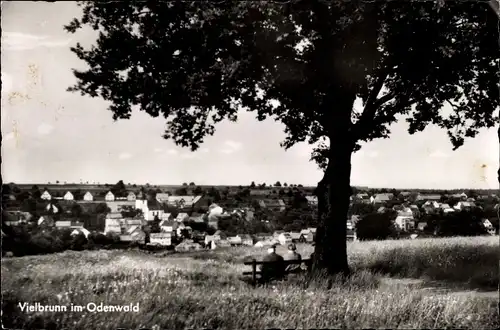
(273, 266)
(292, 255)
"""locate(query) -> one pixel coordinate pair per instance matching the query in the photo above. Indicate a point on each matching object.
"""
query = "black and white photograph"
(296, 164)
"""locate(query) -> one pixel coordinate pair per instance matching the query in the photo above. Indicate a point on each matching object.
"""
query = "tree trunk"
(334, 192)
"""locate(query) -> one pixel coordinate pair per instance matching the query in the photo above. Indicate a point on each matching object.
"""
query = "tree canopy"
(303, 63)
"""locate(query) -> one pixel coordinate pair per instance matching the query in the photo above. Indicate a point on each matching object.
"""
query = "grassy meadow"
(426, 283)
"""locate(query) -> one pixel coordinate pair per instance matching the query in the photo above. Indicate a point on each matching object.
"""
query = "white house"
(405, 223)
(142, 204)
(112, 226)
(312, 200)
(83, 231)
(182, 227)
(181, 217)
(162, 197)
(446, 208)
(433, 204)
(168, 226)
(68, 196)
(88, 196)
(163, 239)
(246, 239)
(183, 201)
(46, 196)
(464, 205)
(153, 213)
(381, 198)
(214, 212)
(63, 224)
(235, 240)
(109, 196)
(210, 238)
(131, 196)
(52, 208)
(284, 238)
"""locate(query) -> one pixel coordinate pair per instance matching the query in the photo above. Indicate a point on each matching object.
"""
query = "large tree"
(303, 63)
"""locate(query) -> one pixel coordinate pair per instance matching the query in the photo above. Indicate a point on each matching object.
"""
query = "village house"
(461, 196)
(421, 226)
(183, 201)
(136, 233)
(428, 197)
(114, 215)
(235, 240)
(446, 208)
(432, 204)
(46, 196)
(312, 200)
(223, 243)
(214, 223)
(153, 214)
(264, 243)
(273, 204)
(129, 222)
(109, 196)
(260, 192)
(264, 236)
(79, 231)
(162, 239)
(488, 226)
(307, 235)
(46, 221)
(119, 205)
(363, 198)
(181, 217)
(162, 197)
(63, 224)
(381, 198)
(167, 216)
(68, 196)
(131, 196)
(405, 223)
(169, 226)
(198, 218)
(464, 205)
(284, 238)
(296, 237)
(52, 208)
(188, 246)
(112, 226)
(154, 210)
(246, 239)
(405, 212)
(220, 235)
(405, 195)
(14, 218)
(210, 238)
(88, 197)
(182, 227)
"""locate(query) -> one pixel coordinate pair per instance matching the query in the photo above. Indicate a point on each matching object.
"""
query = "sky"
(50, 134)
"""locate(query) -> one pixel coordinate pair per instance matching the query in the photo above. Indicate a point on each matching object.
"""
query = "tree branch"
(372, 104)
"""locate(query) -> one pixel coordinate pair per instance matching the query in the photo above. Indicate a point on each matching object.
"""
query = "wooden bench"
(254, 272)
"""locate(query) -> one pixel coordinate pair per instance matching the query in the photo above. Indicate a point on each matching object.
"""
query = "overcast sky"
(50, 134)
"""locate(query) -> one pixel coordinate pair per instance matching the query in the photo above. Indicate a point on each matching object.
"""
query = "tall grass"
(203, 290)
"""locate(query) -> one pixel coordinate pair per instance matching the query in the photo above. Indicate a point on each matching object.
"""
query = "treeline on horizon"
(356, 189)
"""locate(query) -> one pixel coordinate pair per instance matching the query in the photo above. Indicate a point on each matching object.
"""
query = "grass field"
(203, 289)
